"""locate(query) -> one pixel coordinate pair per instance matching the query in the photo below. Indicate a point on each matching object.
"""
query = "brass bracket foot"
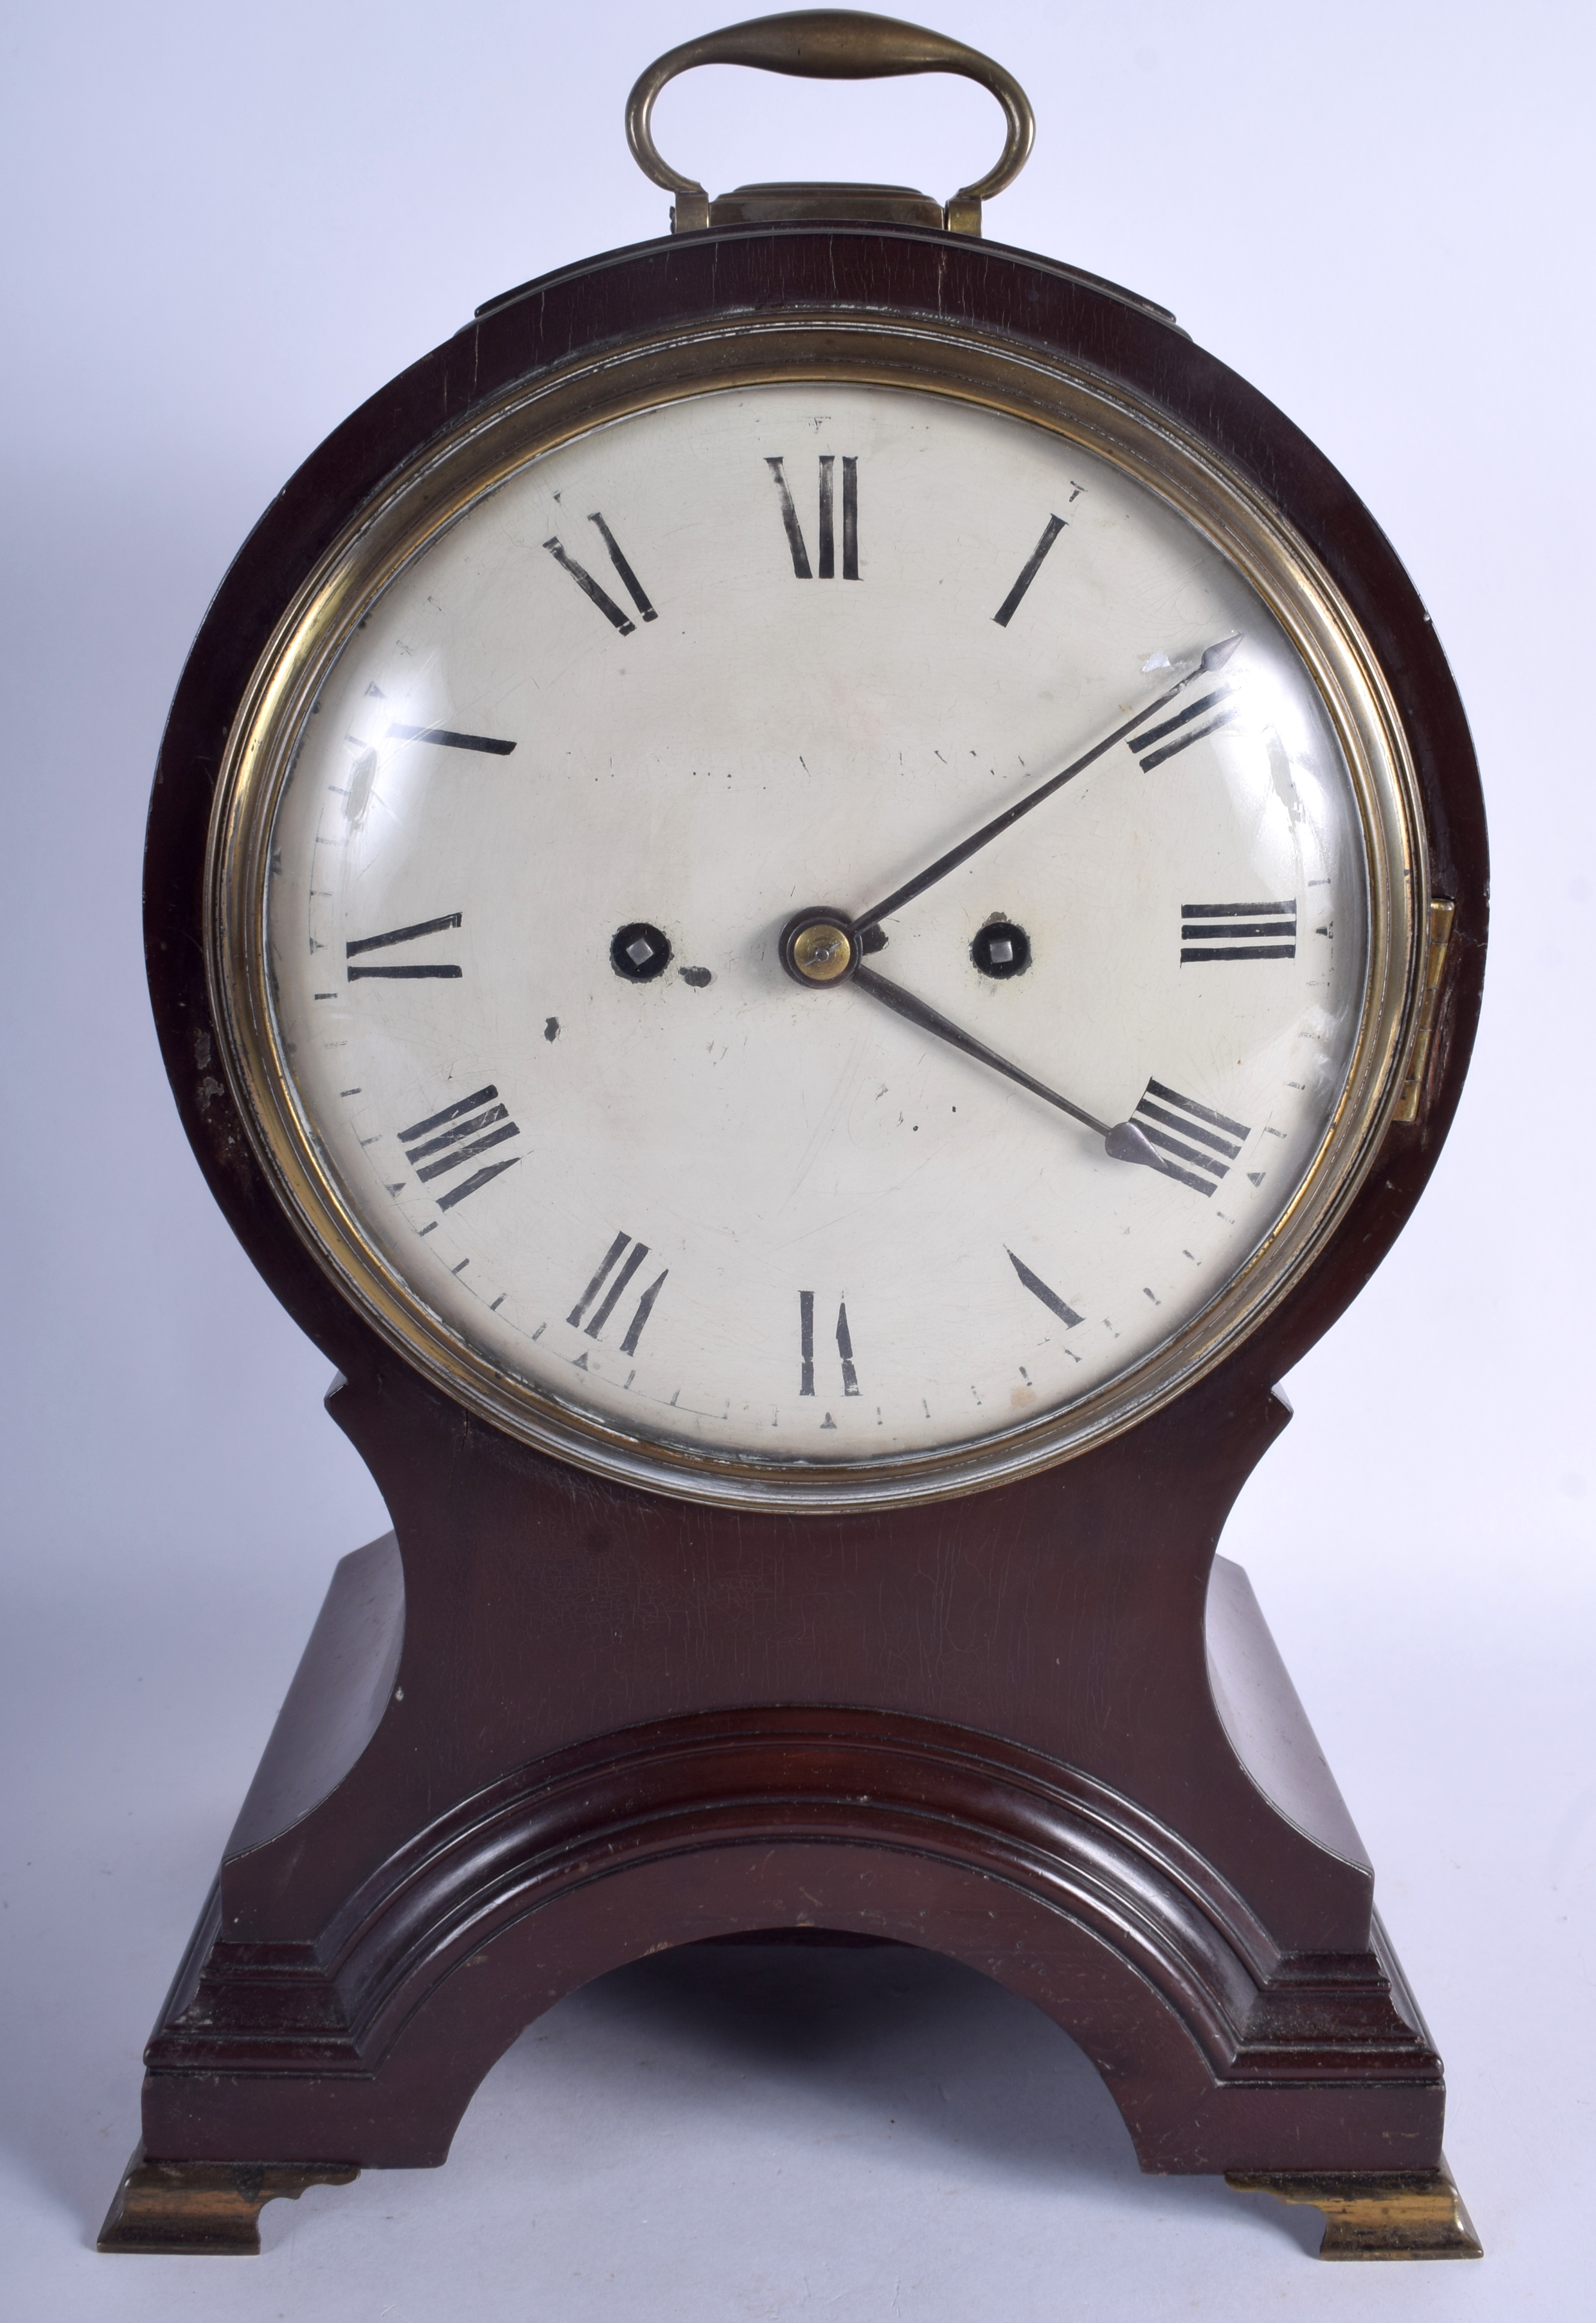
(204, 2209)
(1370, 2214)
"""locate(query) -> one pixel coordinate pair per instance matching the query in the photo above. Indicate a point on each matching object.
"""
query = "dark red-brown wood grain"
(562, 1722)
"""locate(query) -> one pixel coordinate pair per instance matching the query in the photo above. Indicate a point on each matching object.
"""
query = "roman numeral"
(448, 1139)
(410, 971)
(613, 1278)
(825, 565)
(1238, 931)
(1029, 571)
(447, 740)
(1184, 728)
(590, 587)
(1194, 1135)
(1048, 1297)
(851, 1378)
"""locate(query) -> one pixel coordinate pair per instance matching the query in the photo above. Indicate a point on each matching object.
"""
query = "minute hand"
(1215, 659)
(1123, 1141)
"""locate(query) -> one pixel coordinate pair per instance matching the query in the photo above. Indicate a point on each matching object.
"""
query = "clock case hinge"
(1409, 1105)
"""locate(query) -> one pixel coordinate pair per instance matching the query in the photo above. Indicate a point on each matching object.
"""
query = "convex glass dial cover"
(608, 1053)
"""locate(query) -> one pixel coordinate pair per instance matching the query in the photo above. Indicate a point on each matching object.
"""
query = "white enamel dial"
(776, 649)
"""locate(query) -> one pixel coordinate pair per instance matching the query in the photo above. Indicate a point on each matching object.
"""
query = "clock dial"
(665, 983)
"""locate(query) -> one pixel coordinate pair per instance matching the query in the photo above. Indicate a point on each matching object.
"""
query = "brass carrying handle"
(831, 44)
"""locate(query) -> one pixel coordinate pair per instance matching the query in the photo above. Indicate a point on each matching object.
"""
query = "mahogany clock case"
(565, 1722)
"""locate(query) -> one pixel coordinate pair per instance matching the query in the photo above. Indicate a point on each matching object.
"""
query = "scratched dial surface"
(773, 650)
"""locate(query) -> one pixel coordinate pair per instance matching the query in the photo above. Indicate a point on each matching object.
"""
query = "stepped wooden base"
(1046, 1734)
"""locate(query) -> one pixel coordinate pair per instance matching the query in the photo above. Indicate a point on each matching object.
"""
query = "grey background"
(223, 228)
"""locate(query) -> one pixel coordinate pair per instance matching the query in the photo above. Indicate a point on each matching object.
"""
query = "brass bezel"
(920, 352)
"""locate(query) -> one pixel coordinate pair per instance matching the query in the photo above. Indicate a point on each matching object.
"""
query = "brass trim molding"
(929, 357)
(206, 2210)
(1407, 2214)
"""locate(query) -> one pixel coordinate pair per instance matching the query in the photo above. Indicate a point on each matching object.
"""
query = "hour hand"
(1123, 1141)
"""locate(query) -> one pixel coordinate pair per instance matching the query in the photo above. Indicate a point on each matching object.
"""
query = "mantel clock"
(814, 898)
